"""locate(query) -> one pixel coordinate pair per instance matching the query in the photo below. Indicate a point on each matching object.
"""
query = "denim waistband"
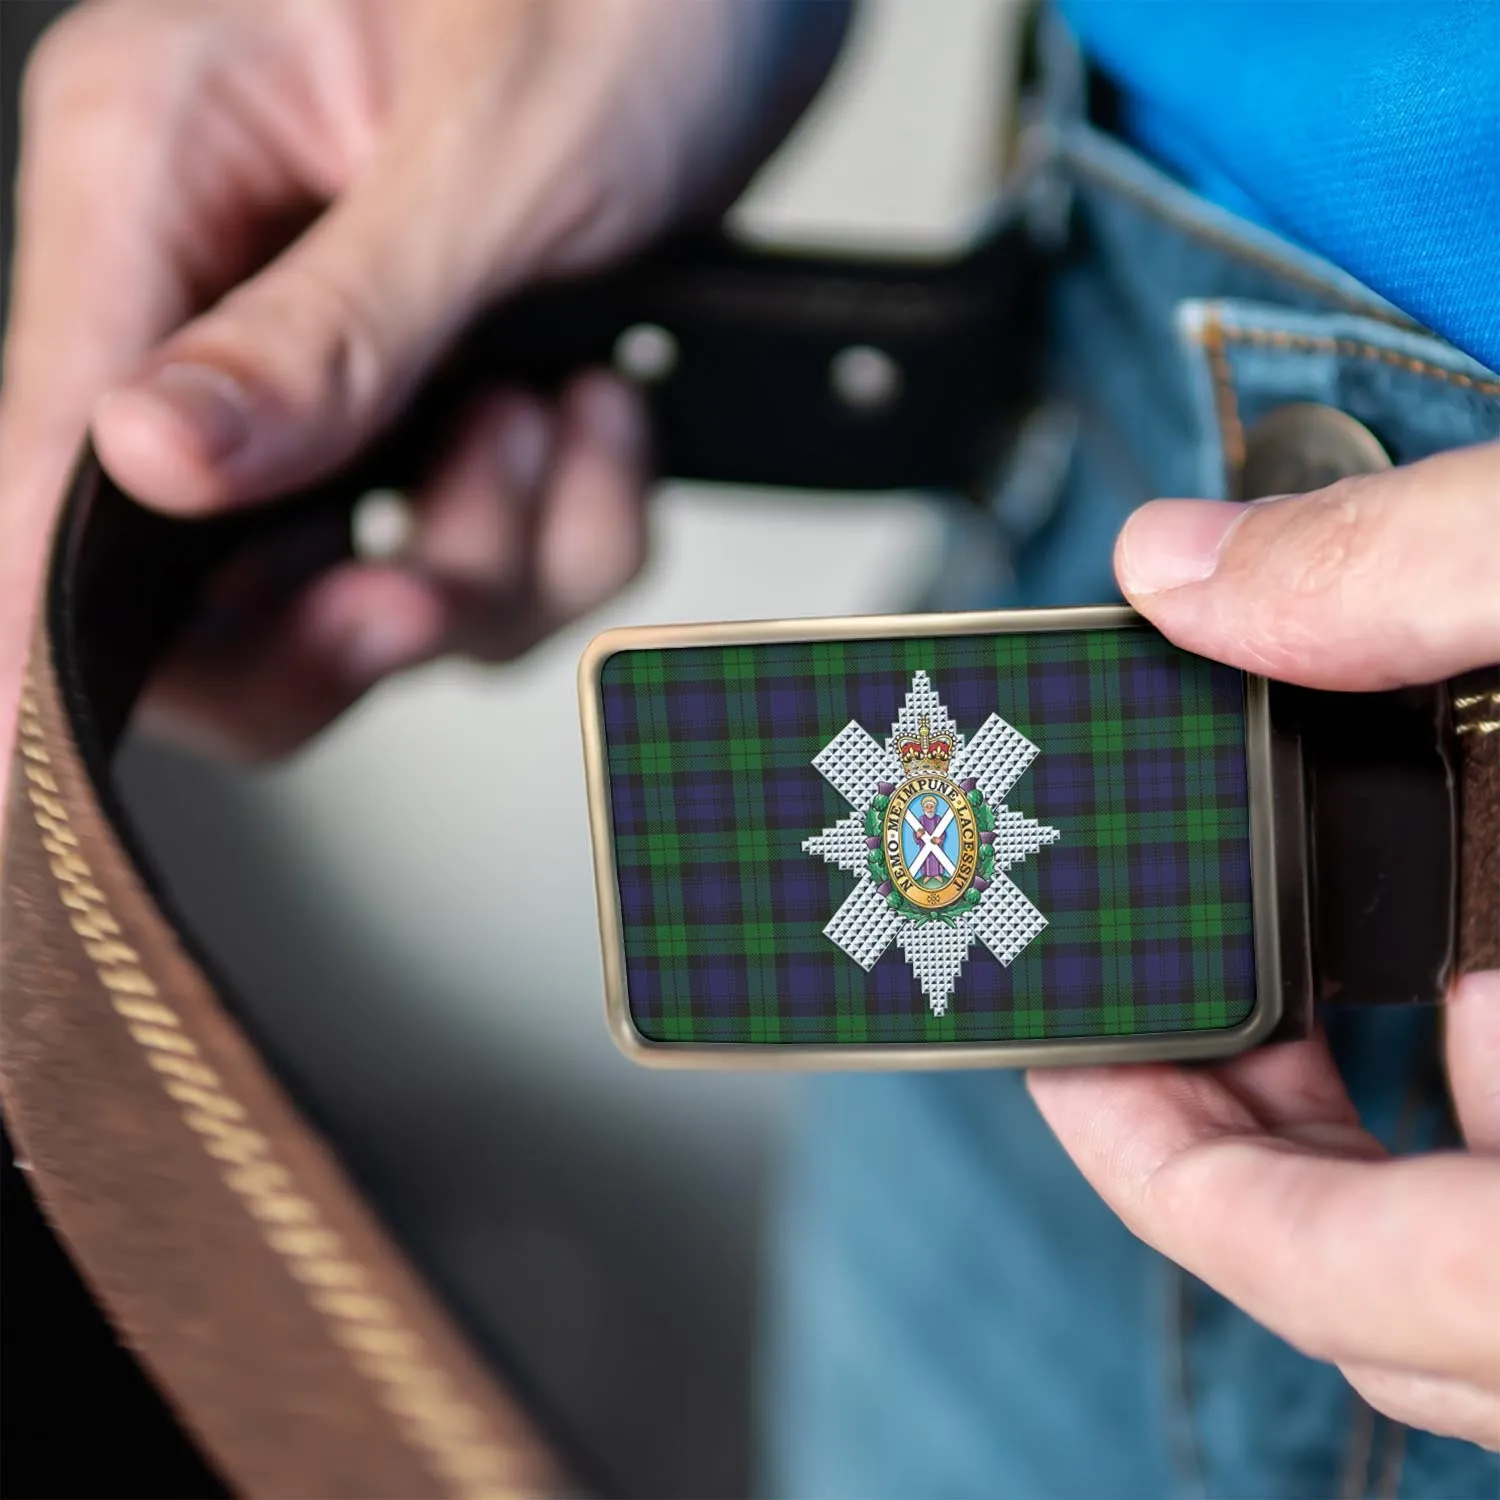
(1174, 326)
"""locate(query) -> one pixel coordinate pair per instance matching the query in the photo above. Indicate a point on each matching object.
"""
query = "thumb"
(1376, 582)
(296, 368)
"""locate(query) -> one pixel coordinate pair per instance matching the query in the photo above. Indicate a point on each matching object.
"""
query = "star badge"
(929, 841)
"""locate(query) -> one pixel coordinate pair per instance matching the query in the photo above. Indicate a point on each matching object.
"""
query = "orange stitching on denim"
(1226, 403)
(1266, 260)
(1276, 338)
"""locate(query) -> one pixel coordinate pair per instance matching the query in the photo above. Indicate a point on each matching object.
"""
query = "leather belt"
(233, 1251)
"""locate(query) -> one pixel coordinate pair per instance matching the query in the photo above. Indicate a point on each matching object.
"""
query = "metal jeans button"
(1304, 446)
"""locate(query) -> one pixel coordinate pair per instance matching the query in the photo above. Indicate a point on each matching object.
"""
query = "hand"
(1256, 1176)
(247, 228)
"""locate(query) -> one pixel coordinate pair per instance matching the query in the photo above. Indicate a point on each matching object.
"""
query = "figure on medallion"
(931, 872)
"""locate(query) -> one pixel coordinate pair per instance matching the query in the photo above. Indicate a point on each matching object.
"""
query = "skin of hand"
(1256, 1175)
(248, 228)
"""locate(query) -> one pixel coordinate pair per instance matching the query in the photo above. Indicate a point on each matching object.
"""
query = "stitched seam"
(448, 1432)
(1226, 400)
(1221, 240)
(1354, 349)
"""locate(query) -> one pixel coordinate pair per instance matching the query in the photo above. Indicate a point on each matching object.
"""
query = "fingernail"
(524, 440)
(211, 405)
(611, 415)
(1169, 543)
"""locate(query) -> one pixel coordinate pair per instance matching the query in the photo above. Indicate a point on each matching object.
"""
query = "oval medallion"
(931, 841)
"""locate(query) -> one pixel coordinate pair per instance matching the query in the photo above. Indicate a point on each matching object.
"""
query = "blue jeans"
(951, 1310)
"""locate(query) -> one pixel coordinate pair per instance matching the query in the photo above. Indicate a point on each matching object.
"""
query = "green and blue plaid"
(1142, 770)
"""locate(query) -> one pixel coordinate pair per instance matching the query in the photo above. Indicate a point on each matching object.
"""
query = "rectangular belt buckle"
(1011, 838)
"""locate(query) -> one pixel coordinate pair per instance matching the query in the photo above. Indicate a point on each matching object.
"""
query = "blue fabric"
(1370, 133)
(951, 1310)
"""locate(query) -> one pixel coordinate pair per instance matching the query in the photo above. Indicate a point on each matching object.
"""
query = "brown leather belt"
(232, 1250)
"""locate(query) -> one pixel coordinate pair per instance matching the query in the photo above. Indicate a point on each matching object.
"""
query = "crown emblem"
(925, 751)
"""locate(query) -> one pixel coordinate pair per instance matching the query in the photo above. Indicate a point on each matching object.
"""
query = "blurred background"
(599, 1224)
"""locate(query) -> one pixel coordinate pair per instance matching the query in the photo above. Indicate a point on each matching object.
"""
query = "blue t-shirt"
(1367, 132)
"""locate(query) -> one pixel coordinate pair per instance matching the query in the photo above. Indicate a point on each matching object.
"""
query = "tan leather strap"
(229, 1246)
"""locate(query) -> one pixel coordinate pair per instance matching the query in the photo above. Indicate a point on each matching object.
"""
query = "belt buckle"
(1010, 838)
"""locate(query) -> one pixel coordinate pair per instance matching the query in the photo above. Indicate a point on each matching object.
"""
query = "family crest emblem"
(930, 840)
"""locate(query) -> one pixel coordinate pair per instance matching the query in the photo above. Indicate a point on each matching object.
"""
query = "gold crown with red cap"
(924, 751)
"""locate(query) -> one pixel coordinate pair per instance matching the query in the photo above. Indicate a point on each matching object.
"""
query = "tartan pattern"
(1142, 768)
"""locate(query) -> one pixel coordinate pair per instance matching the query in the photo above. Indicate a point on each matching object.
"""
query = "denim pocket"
(1416, 394)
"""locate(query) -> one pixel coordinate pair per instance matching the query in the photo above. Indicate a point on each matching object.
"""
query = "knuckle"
(1300, 564)
(1333, 536)
(63, 49)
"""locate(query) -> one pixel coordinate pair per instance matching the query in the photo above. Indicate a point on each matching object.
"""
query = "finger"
(475, 515)
(1293, 1090)
(84, 229)
(1452, 1408)
(297, 367)
(124, 226)
(1374, 582)
(470, 579)
(87, 184)
(592, 534)
(1386, 1262)
(265, 695)
(141, 193)
(583, 535)
(1472, 1021)
(70, 330)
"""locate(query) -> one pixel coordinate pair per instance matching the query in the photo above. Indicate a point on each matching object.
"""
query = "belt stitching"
(1474, 723)
(365, 1325)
